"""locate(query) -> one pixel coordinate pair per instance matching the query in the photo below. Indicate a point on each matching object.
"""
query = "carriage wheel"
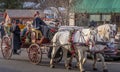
(35, 54)
(6, 47)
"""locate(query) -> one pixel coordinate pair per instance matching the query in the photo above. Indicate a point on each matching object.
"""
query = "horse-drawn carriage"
(34, 47)
(90, 37)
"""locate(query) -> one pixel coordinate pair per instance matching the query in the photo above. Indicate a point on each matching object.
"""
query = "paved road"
(21, 64)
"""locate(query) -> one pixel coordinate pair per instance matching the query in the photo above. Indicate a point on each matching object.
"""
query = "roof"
(97, 6)
(22, 13)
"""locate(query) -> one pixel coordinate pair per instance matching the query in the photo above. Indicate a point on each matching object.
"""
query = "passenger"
(93, 24)
(28, 28)
(2, 30)
(26, 33)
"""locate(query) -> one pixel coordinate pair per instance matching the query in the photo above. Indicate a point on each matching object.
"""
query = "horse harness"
(72, 44)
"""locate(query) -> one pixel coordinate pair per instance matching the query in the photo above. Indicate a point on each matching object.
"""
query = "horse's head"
(107, 31)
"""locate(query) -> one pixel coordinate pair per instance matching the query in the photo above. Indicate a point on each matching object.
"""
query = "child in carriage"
(25, 34)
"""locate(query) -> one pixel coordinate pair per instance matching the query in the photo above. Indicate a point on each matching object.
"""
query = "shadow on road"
(4, 69)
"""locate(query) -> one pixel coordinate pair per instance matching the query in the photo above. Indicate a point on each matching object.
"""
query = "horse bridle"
(113, 32)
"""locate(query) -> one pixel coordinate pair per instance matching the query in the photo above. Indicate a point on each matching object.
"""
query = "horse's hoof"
(76, 66)
(83, 71)
(52, 66)
(68, 68)
(105, 70)
(70, 65)
(95, 69)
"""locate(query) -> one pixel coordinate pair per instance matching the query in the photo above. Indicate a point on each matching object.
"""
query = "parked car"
(110, 53)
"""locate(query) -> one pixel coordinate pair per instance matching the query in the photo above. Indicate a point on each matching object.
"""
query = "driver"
(38, 23)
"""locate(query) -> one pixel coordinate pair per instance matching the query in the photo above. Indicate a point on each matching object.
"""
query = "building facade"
(98, 10)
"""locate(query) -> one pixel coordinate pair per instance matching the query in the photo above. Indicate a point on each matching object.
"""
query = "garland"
(72, 50)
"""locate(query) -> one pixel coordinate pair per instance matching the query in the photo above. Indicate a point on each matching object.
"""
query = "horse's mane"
(105, 25)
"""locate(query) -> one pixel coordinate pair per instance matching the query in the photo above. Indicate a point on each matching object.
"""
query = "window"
(95, 17)
(106, 17)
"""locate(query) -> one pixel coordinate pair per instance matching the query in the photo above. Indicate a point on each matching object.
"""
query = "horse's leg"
(52, 57)
(80, 56)
(84, 58)
(77, 59)
(76, 56)
(94, 61)
(70, 61)
(66, 60)
(103, 62)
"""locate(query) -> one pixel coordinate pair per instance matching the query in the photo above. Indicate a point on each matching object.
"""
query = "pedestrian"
(115, 29)
(2, 30)
(16, 42)
(105, 21)
(93, 24)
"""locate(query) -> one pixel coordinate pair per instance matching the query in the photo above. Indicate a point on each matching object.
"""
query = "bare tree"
(67, 4)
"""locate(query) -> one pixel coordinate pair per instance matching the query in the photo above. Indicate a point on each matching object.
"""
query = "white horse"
(106, 31)
(80, 37)
(94, 48)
